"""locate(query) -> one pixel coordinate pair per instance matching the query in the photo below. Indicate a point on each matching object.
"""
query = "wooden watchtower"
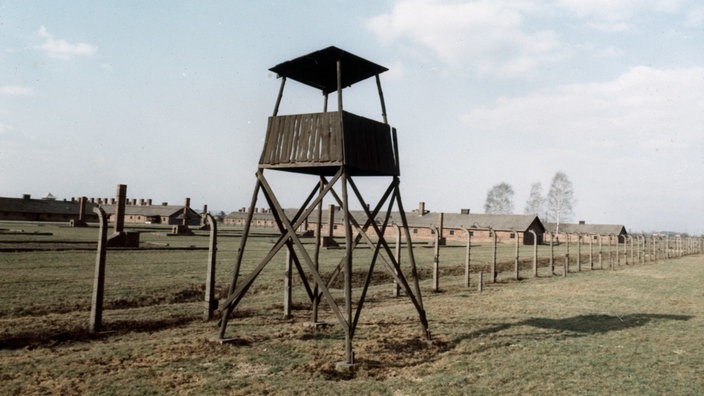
(334, 147)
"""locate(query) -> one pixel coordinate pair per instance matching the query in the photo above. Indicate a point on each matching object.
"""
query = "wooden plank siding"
(303, 140)
(316, 143)
(368, 145)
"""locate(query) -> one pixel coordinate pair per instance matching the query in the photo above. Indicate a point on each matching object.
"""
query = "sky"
(172, 99)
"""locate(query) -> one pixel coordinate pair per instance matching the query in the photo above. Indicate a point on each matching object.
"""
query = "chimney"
(120, 210)
(141, 202)
(331, 219)
(582, 222)
(464, 211)
(149, 202)
(164, 204)
(81, 209)
(26, 196)
(186, 207)
(421, 208)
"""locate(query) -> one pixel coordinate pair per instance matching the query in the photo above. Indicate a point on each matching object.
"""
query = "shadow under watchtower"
(334, 146)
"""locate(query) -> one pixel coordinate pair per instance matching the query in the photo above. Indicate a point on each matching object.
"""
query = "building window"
(452, 232)
(513, 235)
(415, 230)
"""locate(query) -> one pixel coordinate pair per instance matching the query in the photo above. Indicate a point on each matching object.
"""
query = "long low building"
(44, 209)
(581, 231)
(422, 224)
(51, 209)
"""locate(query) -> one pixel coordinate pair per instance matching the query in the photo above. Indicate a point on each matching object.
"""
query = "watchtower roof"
(319, 69)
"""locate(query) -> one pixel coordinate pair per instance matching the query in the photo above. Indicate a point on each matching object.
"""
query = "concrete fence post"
(288, 282)
(552, 253)
(516, 258)
(567, 253)
(579, 252)
(436, 260)
(611, 251)
(96, 309)
(591, 252)
(211, 304)
(601, 251)
(467, 257)
(494, 274)
(535, 253)
(397, 253)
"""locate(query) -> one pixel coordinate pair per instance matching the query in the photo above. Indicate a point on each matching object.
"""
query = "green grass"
(635, 330)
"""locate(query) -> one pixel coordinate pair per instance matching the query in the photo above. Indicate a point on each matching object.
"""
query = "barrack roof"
(319, 69)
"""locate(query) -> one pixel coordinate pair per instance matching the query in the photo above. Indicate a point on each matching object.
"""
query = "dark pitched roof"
(594, 229)
(319, 69)
(22, 205)
(151, 210)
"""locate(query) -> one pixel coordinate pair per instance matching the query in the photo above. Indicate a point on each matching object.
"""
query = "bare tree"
(499, 200)
(560, 199)
(536, 201)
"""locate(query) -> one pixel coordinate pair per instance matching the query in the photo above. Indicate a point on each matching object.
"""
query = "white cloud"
(617, 15)
(4, 128)
(489, 36)
(636, 110)
(695, 17)
(62, 49)
(16, 90)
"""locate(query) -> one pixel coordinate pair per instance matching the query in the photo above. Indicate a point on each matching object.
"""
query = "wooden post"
(467, 257)
(96, 309)
(480, 282)
(211, 304)
(381, 98)
(618, 254)
(436, 261)
(281, 93)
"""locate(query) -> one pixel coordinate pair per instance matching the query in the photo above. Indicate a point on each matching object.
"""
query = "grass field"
(636, 330)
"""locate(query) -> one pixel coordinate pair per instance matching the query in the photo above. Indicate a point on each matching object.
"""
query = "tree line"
(555, 207)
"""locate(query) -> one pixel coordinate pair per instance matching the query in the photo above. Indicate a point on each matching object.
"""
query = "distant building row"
(422, 223)
(451, 226)
(49, 208)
